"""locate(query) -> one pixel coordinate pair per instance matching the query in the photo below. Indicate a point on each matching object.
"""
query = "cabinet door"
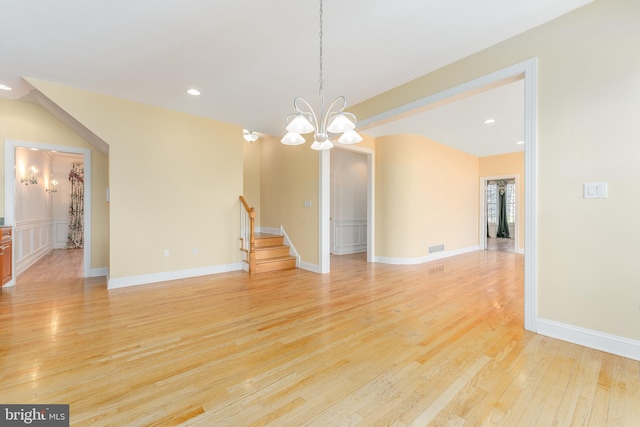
(5, 260)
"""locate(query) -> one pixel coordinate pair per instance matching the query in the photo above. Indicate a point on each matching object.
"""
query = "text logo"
(34, 415)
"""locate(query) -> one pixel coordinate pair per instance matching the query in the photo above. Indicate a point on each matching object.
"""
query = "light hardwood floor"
(368, 344)
(501, 244)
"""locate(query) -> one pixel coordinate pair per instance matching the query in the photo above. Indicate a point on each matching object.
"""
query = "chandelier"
(332, 121)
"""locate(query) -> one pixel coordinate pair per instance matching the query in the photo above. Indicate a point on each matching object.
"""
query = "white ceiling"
(460, 123)
(250, 58)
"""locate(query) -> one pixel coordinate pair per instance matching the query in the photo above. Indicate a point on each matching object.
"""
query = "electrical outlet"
(194, 250)
(166, 252)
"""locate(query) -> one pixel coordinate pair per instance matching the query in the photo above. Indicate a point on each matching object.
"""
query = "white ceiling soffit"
(249, 58)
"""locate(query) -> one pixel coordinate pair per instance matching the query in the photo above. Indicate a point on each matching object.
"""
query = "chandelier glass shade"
(249, 135)
(334, 120)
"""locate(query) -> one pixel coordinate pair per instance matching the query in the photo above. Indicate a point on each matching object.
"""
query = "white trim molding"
(589, 338)
(145, 279)
(99, 272)
(427, 258)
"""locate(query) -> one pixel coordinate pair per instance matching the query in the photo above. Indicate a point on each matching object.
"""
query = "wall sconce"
(53, 187)
(30, 177)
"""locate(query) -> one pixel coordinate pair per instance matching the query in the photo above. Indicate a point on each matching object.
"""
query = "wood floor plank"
(368, 344)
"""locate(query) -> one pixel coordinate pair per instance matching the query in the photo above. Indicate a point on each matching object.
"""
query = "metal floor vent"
(436, 248)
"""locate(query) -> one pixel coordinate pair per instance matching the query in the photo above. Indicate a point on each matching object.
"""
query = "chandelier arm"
(308, 114)
(353, 117)
(290, 117)
(331, 113)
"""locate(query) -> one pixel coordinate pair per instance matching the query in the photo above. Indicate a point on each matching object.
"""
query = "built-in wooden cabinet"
(6, 255)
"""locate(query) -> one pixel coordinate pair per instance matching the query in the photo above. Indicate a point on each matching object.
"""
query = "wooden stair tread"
(275, 259)
(271, 247)
(271, 253)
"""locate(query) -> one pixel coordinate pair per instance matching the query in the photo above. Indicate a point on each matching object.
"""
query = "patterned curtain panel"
(75, 239)
(503, 225)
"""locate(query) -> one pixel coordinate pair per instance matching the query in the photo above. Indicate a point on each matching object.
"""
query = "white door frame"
(10, 188)
(325, 205)
(527, 70)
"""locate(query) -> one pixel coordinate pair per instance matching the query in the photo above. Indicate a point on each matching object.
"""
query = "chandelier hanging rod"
(335, 120)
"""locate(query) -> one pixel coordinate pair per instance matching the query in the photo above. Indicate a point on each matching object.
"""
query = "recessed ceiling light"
(194, 92)
(4, 87)
(489, 121)
(520, 142)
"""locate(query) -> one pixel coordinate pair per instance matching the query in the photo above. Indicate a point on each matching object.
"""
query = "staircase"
(262, 252)
(271, 254)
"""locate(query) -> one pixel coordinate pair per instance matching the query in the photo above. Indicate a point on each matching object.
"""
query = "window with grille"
(492, 203)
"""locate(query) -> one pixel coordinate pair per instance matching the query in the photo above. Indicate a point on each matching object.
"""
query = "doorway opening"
(499, 213)
(348, 217)
(325, 205)
(527, 71)
(46, 229)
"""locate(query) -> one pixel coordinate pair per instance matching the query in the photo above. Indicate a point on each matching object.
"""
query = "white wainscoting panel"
(60, 233)
(350, 236)
(32, 241)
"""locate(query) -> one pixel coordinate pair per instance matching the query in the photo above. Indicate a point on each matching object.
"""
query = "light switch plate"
(595, 190)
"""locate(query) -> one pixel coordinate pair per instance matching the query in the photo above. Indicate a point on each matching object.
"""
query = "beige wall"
(508, 164)
(289, 177)
(23, 121)
(426, 194)
(174, 183)
(588, 103)
(251, 168)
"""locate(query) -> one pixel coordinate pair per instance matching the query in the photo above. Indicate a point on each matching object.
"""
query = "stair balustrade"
(247, 233)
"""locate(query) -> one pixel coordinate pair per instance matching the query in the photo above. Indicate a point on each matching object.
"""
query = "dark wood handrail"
(251, 254)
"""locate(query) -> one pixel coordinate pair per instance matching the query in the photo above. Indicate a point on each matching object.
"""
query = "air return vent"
(436, 248)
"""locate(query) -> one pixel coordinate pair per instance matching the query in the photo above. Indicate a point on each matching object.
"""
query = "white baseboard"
(99, 272)
(145, 279)
(426, 258)
(314, 268)
(356, 249)
(27, 261)
(589, 338)
(269, 230)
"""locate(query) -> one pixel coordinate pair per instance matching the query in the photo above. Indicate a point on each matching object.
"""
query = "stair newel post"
(252, 241)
